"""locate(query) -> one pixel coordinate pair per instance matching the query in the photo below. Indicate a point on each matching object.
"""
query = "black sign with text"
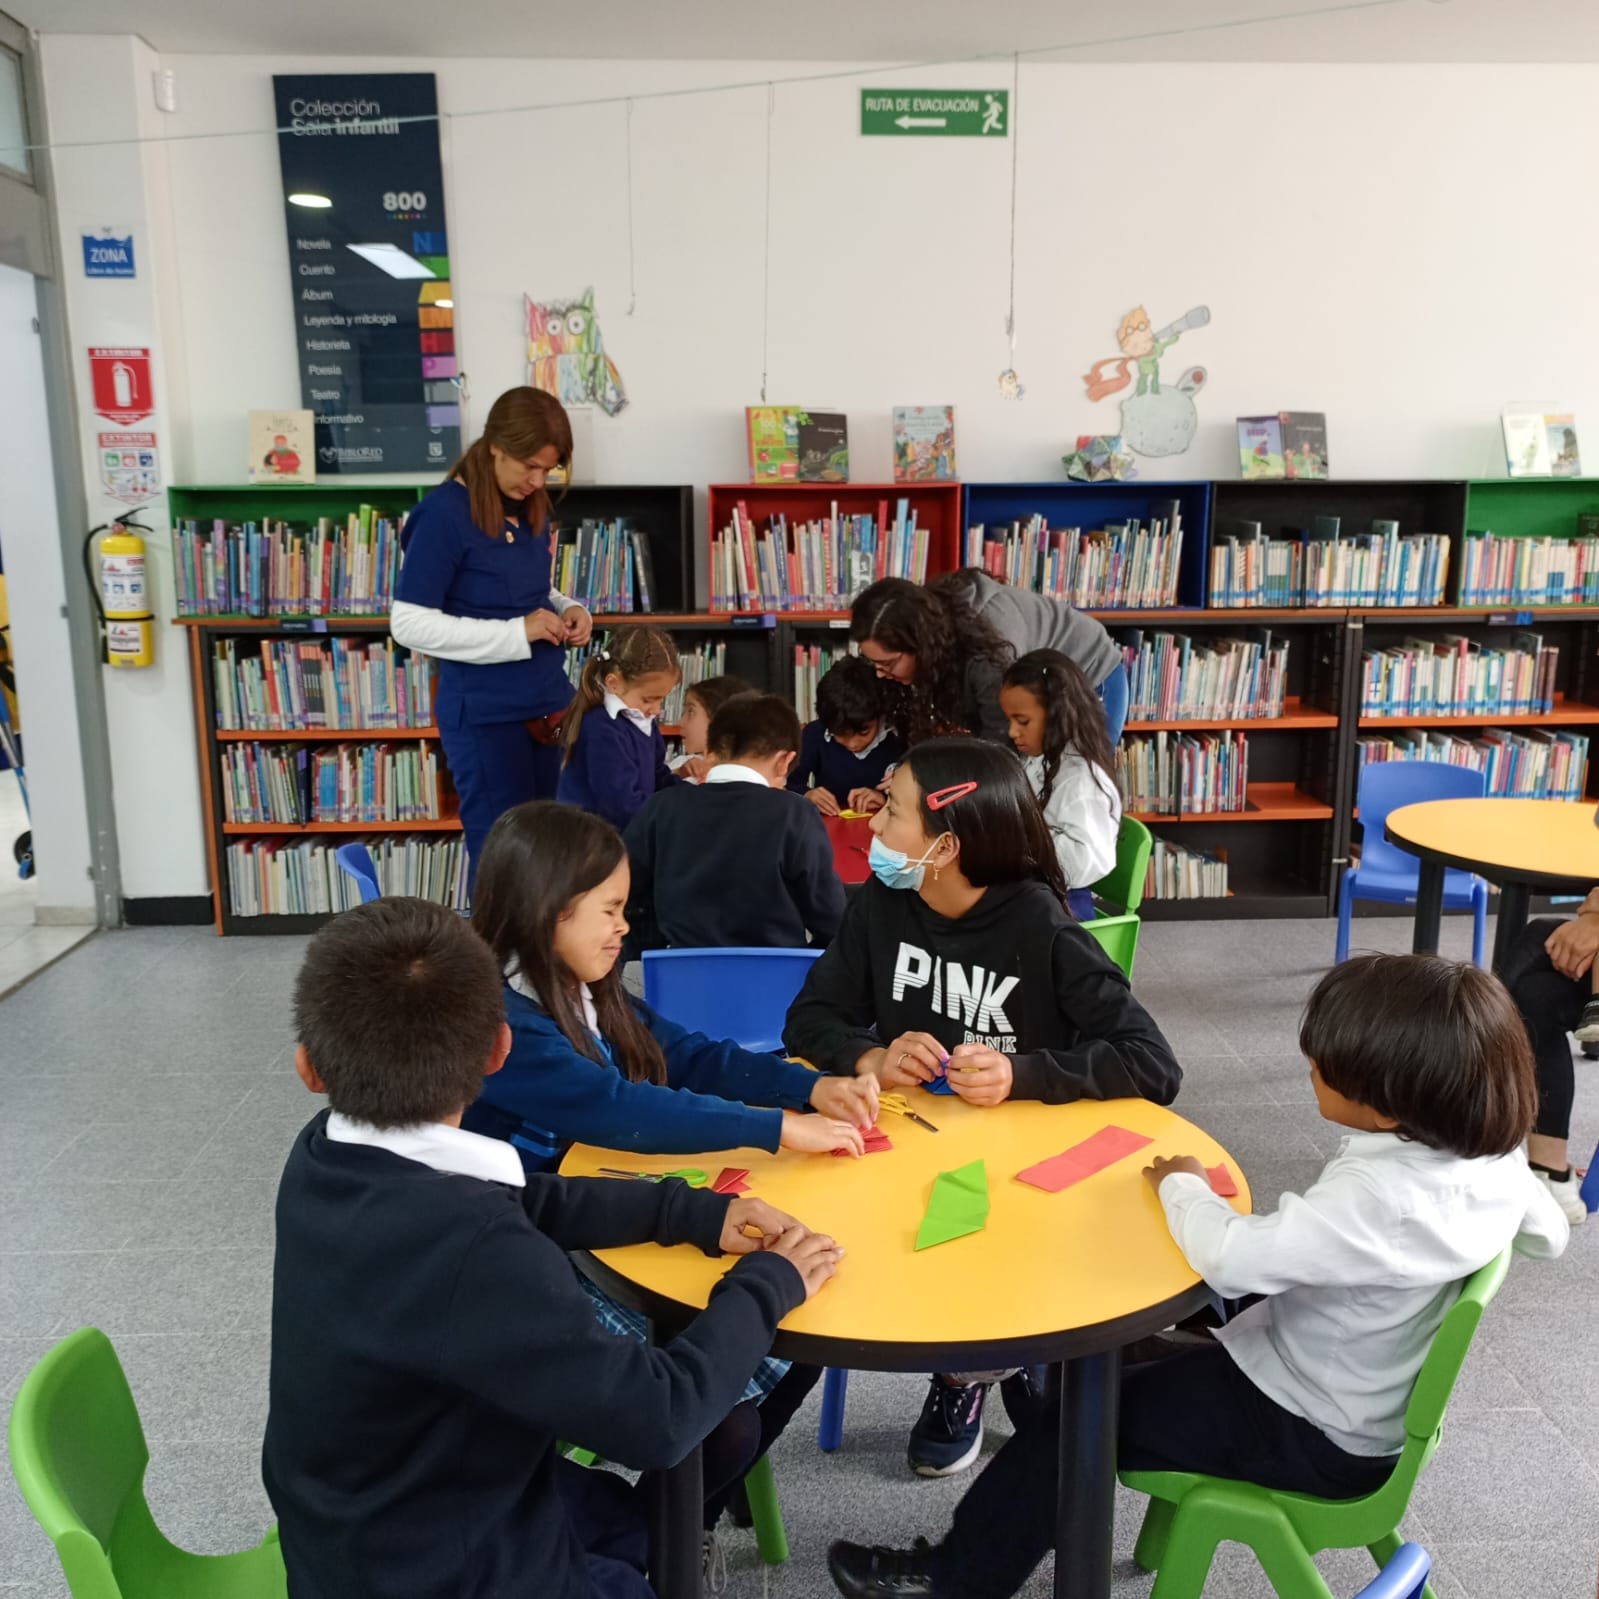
(369, 258)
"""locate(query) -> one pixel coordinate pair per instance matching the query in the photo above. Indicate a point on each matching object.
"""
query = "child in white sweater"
(1057, 723)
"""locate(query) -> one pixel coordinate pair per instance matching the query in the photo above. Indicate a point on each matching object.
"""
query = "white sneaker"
(713, 1565)
(1567, 1195)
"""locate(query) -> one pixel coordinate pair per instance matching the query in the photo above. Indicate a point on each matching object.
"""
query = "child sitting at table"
(1057, 723)
(1425, 1063)
(701, 701)
(739, 862)
(959, 958)
(429, 1341)
(589, 1064)
(846, 751)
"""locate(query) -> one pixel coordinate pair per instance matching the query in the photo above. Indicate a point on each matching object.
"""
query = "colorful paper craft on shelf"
(877, 1142)
(1099, 458)
(1222, 1181)
(1105, 1148)
(957, 1206)
(731, 1180)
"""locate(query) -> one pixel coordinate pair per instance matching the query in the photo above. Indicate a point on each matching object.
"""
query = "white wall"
(35, 590)
(1387, 244)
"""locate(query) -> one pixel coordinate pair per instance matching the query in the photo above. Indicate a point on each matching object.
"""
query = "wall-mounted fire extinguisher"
(120, 593)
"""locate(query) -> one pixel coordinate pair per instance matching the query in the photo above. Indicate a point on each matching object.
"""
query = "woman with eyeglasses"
(942, 650)
(474, 591)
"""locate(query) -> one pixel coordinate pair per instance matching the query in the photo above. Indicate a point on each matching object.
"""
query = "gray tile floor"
(147, 1101)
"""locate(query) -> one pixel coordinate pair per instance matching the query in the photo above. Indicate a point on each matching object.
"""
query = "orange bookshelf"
(324, 735)
(1263, 802)
(1567, 713)
(441, 824)
(1296, 717)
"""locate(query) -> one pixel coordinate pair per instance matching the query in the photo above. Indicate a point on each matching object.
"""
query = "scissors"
(691, 1175)
(901, 1106)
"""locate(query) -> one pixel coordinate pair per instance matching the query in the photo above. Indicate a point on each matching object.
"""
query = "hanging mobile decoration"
(1010, 386)
(766, 256)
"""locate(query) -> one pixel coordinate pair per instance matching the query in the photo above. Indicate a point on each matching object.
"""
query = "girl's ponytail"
(631, 653)
(590, 696)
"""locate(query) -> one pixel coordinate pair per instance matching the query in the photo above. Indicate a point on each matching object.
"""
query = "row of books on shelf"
(1127, 565)
(306, 685)
(694, 666)
(1184, 774)
(292, 784)
(270, 568)
(1538, 764)
(606, 566)
(811, 663)
(1454, 676)
(300, 877)
(1325, 567)
(1171, 678)
(1178, 872)
(812, 566)
(1532, 571)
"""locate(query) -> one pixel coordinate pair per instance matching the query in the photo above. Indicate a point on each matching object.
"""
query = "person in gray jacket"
(945, 648)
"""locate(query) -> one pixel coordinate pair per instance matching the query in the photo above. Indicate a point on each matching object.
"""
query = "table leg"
(1085, 1509)
(676, 1508)
(1429, 908)
(1514, 901)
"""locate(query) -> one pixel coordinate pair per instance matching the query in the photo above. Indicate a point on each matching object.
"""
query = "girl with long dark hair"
(958, 959)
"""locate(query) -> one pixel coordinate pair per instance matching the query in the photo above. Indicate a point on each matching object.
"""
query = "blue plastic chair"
(1387, 872)
(1404, 1577)
(356, 860)
(742, 994)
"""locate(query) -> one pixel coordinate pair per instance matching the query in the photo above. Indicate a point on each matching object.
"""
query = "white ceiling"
(849, 30)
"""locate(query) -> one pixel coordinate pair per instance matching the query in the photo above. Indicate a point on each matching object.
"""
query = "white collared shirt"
(1361, 1269)
(732, 772)
(615, 706)
(861, 754)
(585, 999)
(435, 1144)
(1084, 817)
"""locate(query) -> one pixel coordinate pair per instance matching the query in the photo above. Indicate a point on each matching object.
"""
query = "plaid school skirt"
(629, 1324)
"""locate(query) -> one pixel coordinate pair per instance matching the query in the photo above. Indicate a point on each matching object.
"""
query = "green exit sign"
(936, 113)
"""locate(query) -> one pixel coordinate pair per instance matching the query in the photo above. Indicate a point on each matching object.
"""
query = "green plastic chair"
(1122, 889)
(79, 1456)
(1189, 1514)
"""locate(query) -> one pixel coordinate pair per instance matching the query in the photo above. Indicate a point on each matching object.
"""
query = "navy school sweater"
(430, 1344)
(1015, 973)
(731, 865)
(828, 764)
(614, 767)
(547, 1096)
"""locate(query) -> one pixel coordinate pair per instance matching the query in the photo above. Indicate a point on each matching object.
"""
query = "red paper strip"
(1105, 1148)
(1221, 1181)
(877, 1142)
(731, 1181)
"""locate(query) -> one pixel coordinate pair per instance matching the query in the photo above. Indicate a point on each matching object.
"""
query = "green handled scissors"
(691, 1175)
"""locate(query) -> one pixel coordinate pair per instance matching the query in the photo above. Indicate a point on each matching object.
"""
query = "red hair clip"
(940, 797)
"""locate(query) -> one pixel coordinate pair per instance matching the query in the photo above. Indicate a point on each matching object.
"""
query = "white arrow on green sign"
(936, 113)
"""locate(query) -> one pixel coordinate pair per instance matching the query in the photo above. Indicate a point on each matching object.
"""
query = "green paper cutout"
(958, 1205)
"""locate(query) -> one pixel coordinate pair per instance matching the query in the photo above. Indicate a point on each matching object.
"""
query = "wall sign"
(130, 466)
(936, 113)
(363, 192)
(120, 379)
(108, 253)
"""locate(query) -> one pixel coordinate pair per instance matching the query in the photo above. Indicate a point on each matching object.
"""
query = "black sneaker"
(880, 1573)
(949, 1432)
(1587, 1030)
(1023, 1394)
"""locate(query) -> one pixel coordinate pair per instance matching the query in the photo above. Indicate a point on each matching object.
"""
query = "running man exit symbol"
(936, 113)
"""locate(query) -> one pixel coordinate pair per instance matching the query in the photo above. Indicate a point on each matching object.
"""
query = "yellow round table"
(1069, 1278)
(1525, 846)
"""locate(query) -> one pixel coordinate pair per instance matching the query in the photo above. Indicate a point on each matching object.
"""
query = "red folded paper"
(877, 1142)
(1105, 1148)
(730, 1180)
(1221, 1181)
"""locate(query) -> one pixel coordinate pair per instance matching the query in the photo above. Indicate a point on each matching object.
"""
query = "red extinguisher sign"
(120, 377)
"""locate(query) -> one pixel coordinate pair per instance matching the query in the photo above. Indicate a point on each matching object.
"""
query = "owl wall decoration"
(566, 355)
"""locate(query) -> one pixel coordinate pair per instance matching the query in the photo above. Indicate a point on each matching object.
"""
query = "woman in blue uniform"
(474, 591)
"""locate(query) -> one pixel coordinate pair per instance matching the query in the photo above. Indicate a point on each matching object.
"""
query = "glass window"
(13, 124)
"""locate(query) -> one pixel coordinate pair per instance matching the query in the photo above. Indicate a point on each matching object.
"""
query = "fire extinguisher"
(120, 593)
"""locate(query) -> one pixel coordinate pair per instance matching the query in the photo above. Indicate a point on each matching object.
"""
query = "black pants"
(1551, 1005)
(748, 1431)
(1194, 1412)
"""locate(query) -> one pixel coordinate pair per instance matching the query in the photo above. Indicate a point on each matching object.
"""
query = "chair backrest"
(1123, 884)
(356, 860)
(78, 1454)
(742, 994)
(1386, 785)
(1404, 1577)
(1436, 1380)
(1118, 937)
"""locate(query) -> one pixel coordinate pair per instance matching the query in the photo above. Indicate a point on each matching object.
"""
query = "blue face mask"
(893, 868)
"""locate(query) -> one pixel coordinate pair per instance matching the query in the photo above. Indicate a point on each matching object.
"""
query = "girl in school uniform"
(1058, 727)
(590, 1064)
(474, 591)
(959, 959)
(615, 755)
(701, 702)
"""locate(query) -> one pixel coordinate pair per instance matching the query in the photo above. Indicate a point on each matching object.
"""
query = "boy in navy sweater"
(846, 751)
(739, 861)
(429, 1341)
